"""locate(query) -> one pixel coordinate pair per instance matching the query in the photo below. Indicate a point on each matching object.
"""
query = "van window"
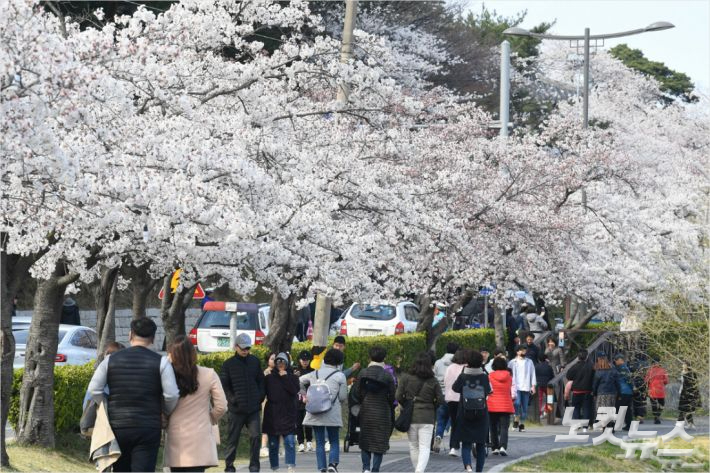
(373, 312)
(220, 319)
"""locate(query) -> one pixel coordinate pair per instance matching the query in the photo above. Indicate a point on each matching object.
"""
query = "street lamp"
(657, 26)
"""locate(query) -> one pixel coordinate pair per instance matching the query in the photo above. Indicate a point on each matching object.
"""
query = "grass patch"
(603, 458)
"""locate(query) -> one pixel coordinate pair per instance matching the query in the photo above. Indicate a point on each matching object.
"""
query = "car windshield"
(373, 312)
(220, 319)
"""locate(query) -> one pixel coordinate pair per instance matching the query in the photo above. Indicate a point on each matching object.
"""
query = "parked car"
(77, 346)
(211, 331)
(21, 322)
(366, 320)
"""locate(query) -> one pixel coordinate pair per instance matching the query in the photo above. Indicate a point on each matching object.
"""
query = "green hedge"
(71, 382)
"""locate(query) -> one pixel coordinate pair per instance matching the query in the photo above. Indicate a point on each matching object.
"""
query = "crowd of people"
(468, 393)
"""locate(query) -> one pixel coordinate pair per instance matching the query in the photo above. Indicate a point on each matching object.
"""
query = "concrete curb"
(500, 467)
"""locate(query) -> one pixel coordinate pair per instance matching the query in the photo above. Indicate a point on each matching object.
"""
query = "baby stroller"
(352, 434)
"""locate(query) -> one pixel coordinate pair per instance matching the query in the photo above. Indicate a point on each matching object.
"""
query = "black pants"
(453, 441)
(303, 432)
(237, 421)
(583, 407)
(657, 405)
(500, 421)
(188, 469)
(626, 400)
(139, 449)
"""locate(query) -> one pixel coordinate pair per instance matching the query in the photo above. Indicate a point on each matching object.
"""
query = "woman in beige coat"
(192, 433)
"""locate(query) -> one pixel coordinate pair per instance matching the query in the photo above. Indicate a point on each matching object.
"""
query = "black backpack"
(473, 401)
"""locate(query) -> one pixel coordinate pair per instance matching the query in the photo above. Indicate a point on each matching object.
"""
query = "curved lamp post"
(586, 37)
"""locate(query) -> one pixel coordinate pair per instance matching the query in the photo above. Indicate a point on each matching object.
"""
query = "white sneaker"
(495, 451)
(454, 452)
(309, 446)
(264, 452)
(502, 452)
(291, 469)
(327, 446)
(301, 447)
(468, 468)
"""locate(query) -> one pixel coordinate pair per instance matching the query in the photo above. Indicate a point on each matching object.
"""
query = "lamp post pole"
(504, 114)
(585, 106)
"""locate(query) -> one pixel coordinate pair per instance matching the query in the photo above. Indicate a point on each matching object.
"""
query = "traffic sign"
(198, 294)
(486, 291)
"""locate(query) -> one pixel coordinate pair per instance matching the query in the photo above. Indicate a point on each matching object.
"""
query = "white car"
(77, 346)
(21, 322)
(368, 320)
(211, 331)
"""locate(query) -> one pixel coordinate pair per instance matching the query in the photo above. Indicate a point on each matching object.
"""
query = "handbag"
(406, 410)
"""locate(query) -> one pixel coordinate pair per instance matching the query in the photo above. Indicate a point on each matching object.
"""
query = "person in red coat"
(500, 405)
(656, 379)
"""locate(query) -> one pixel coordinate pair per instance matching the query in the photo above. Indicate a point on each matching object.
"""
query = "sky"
(685, 48)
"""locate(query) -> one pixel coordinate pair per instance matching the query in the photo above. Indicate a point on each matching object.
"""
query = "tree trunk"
(36, 418)
(172, 310)
(141, 287)
(499, 325)
(282, 323)
(105, 300)
(14, 272)
(426, 321)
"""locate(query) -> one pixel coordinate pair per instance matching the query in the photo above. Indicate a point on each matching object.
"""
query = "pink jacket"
(452, 374)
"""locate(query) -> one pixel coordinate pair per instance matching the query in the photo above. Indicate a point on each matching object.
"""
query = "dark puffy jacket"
(374, 390)
(582, 376)
(280, 413)
(135, 390)
(243, 383)
(543, 374)
(606, 382)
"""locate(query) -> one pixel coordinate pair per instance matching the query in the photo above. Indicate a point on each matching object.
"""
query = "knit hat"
(282, 356)
(305, 355)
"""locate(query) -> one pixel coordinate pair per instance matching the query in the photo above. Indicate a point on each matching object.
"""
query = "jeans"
(442, 420)
(499, 429)
(453, 409)
(334, 438)
(289, 450)
(419, 436)
(365, 456)
(480, 455)
(521, 405)
(304, 433)
(583, 405)
(237, 421)
(139, 449)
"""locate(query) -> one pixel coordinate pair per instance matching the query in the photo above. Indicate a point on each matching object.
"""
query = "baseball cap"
(305, 355)
(618, 356)
(243, 341)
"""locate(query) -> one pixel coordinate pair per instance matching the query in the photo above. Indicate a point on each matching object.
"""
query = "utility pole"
(504, 114)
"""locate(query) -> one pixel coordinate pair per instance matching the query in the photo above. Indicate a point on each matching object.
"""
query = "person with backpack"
(281, 413)
(374, 392)
(304, 434)
(458, 362)
(422, 388)
(500, 405)
(523, 371)
(323, 390)
(243, 383)
(472, 417)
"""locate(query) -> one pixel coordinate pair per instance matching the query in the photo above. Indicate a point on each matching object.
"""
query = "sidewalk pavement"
(535, 440)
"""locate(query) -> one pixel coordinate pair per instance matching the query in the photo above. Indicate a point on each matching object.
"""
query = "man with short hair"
(243, 383)
(442, 412)
(141, 385)
(582, 377)
(626, 389)
(339, 344)
(525, 381)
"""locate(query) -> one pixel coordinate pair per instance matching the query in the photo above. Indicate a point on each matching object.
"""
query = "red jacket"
(657, 378)
(501, 399)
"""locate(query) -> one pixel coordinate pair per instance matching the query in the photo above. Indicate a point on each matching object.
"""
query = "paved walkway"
(535, 440)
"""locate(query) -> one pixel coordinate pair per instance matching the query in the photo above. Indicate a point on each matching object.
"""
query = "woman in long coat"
(192, 434)
(281, 411)
(689, 396)
(374, 391)
(470, 432)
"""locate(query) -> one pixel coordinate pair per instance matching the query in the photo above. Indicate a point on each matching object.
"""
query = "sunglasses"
(245, 348)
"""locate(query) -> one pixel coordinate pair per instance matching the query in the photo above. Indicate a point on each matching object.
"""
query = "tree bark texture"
(104, 292)
(426, 320)
(282, 323)
(36, 418)
(141, 286)
(172, 310)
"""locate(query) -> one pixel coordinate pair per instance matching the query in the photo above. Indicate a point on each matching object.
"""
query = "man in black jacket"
(243, 383)
(141, 384)
(582, 377)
